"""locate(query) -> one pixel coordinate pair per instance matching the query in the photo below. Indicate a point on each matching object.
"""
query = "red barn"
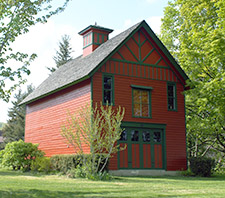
(133, 70)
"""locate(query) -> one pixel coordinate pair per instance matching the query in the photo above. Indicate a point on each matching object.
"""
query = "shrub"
(41, 164)
(1, 156)
(202, 166)
(103, 176)
(20, 154)
(78, 172)
(64, 163)
(187, 173)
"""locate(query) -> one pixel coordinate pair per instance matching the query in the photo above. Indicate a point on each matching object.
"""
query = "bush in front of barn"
(72, 165)
(63, 163)
(41, 164)
(19, 155)
(202, 166)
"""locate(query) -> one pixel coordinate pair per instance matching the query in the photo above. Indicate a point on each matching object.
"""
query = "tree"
(194, 32)
(96, 128)
(16, 17)
(64, 53)
(15, 127)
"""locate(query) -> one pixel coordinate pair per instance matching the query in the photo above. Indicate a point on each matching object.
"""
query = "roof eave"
(56, 90)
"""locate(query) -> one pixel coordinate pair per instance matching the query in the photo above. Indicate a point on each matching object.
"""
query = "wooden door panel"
(123, 156)
(135, 156)
(147, 156)
(158, 155)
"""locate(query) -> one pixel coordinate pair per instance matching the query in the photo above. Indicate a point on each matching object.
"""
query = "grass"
(24, 185)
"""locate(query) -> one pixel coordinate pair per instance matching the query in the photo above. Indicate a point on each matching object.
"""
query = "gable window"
(171, 96)
(108, 95)
(141, 101)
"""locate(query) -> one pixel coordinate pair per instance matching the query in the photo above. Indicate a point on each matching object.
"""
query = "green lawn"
(25, 185)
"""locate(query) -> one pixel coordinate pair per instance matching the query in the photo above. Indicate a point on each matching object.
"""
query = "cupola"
(93, 36)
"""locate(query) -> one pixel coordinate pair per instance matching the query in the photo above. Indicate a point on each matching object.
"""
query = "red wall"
(45, 117)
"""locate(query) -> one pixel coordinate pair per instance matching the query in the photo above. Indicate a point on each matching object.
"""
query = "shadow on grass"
(34, 193)
(136, 179)
(8, 172)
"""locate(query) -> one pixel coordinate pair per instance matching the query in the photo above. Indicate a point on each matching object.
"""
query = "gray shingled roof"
(78, 68)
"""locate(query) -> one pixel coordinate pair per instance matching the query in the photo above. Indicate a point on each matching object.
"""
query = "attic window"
(108, 94)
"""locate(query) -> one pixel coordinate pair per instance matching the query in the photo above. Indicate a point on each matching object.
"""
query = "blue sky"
(43, 38)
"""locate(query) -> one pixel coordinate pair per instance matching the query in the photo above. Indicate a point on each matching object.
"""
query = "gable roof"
(83, 68)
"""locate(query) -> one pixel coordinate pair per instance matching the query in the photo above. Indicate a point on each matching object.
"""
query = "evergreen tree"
(63, 55)
(15, 126)
(194, 32)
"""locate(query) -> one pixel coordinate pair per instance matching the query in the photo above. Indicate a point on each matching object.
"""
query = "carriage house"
(133, 70)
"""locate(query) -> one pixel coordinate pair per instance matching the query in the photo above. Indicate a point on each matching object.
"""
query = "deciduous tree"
(194, 32)
(16, 17)
(96, 128)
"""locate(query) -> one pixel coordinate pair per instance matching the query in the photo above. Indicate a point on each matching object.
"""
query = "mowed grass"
(25, 185)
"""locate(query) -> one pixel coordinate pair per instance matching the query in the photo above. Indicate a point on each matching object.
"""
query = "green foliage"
(41, 164)
(187, 172)
(15, 127)
(194, 32)
(64, 53)
(103, 176)
(64, 163)
(1, 125)
(202, 166)
(67, 163)
(78, 172)
(19, 155)
(82, 172)
(220, 165)
(1, 156)
(95, 128)
(16, 17)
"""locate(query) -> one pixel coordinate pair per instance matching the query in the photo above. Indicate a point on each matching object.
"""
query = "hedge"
(202, 166)
(64, 163)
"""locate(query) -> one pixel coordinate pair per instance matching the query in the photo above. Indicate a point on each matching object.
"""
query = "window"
(141, 101)
(123, 136)
(157, 137)
(134, 136)
(87, 40)
(108, 95)
(171, 96)
(146, 136)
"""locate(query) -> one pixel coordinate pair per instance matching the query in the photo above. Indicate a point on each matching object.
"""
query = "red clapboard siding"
(45, 117)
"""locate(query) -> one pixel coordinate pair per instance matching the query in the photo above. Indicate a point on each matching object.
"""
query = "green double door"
(143, 149)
